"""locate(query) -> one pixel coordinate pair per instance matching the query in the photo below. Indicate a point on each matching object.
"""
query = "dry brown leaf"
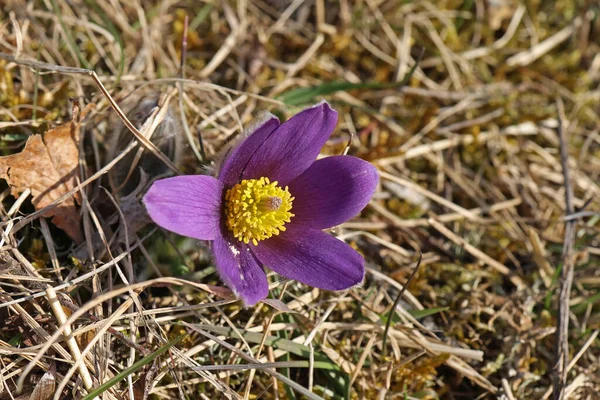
(49, 166)
(44, 389)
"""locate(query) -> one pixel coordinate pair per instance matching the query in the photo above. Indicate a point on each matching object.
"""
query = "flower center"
(256, 209)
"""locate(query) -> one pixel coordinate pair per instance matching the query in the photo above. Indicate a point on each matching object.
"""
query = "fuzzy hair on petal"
(233, 143)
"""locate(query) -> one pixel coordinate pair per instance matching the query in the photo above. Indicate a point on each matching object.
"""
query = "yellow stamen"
(256, 209)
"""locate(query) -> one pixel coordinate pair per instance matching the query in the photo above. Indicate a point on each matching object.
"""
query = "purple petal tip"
(187, 205)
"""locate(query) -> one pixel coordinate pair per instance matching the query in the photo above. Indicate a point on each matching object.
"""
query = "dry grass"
(469, 151)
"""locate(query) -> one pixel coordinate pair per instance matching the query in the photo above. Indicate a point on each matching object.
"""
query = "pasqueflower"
(269, 204)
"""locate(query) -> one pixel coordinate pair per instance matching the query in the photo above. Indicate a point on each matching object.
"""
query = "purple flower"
(269, 205)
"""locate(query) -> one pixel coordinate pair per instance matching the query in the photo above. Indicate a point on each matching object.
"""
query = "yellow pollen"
(256, 209)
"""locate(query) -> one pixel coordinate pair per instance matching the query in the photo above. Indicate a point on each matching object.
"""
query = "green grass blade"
(68, 37)
(302, 96)
(200, 17)
(418, 314)
(300, 350)
(582, 307)
(128, 371)
(111, 27)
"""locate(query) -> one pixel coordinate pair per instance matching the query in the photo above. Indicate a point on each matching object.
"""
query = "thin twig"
(391, 314)
(566, 280)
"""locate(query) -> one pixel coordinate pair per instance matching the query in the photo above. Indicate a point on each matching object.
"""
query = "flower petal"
(332, 190)
(291, 148)
(312, 257)
(188, 205)
(240, 270)
(235, 164)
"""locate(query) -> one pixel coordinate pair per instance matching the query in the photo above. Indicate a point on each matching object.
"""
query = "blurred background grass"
(456, 102)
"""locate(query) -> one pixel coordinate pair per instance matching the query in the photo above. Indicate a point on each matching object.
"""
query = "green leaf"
(16, 340)
(135, 367)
